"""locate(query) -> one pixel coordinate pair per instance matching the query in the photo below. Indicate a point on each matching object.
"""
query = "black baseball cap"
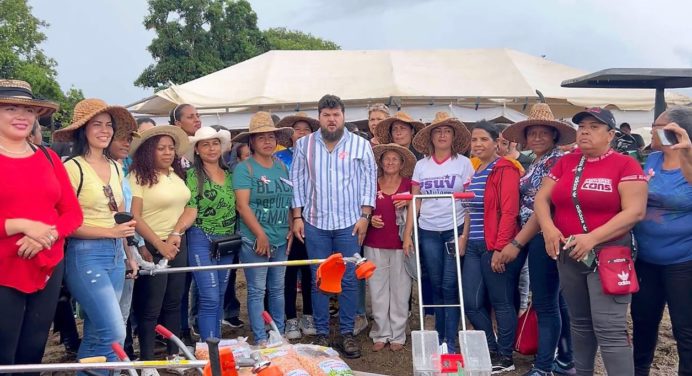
(603, 115)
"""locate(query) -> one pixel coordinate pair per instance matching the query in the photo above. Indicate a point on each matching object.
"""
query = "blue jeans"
(321, 244)
(480, 280)
(210, 285)
(550, 306)
(442, 272)
(259, 280)
(95, 274)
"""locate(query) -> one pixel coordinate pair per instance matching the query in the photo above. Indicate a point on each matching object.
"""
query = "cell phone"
(668, 138)
(569, 240)
(128, 274)
(124, 217)
(451, 249)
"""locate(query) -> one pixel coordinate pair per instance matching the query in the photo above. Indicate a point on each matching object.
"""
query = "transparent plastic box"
(426, 352)
(474, 348)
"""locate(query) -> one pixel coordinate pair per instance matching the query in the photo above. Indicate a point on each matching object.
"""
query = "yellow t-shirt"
(163, 203)
(92, 198)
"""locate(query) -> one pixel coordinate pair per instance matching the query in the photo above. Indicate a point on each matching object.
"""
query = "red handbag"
(616, 269)
(526, 338)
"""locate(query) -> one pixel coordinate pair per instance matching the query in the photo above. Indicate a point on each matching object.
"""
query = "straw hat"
(261, 122)
(383, 129)
(19, 93)
(208, 133)
(462, 137)
(86, 109)
(182, 145)
(406, 155)
(540, 114)
(289, 121)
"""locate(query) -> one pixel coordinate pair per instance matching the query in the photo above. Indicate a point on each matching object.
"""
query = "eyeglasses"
(108, 191)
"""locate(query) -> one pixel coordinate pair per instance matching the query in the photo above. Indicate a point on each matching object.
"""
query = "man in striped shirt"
(334, 183)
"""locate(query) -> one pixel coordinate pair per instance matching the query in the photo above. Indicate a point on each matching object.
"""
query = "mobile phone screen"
(667, 138)
(451, 250)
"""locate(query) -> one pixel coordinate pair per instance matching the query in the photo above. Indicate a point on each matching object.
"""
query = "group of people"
(549, 199)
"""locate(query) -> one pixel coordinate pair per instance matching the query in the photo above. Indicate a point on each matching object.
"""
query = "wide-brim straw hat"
(208, 133)
(540, 114)
(182, 144)
(86, 109)
(383, 129)
(288, 121)
(19, 92)
(262, 122)
(422, 141)
(406, 155)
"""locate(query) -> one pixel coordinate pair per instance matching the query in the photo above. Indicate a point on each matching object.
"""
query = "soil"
(399, 363)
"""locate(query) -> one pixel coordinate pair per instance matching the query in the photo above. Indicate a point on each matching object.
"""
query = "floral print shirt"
(530, 183)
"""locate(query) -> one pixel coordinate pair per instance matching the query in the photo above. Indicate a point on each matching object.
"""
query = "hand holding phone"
(667, 138)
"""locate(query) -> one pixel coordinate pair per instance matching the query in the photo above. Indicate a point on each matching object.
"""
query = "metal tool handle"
(214, 358)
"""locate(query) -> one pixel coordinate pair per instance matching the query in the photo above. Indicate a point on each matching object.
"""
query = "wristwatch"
(515, 243)
(367, 216)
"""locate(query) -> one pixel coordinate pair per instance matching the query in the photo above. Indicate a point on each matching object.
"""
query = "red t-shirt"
(386, 237)
(597, 192)
(36, 190)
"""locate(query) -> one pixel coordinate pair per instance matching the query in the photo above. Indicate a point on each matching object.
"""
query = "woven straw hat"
(19, 93)
(383, 130)
(208, 133)
(540, 114)
(262, 122)
(86, 109)
(462, 137)
(406, 155)
(288, 121)
(182, 145)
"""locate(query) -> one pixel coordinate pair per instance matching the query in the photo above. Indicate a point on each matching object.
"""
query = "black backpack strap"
(44, 151)
(81, 174)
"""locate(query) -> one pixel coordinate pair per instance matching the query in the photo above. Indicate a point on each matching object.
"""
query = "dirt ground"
(389, 363)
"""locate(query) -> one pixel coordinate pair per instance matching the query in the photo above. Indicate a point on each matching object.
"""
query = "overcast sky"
(100, 45)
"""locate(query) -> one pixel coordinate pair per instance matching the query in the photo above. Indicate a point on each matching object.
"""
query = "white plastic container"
(426, 353)
(474, 348)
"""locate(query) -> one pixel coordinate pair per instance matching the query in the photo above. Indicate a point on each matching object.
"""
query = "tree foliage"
(198, 37)
(21, 56)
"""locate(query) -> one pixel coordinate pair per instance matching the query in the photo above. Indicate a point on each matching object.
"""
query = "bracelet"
(176, 234)
(294, 218)
(515, 243)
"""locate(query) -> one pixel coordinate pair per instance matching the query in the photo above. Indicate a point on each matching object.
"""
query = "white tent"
(284, 81)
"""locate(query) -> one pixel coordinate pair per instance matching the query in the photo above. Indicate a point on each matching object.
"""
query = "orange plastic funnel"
(227, 363)
(365, 270)
(330, 273)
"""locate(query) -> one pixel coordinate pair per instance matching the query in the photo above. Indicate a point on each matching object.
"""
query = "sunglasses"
(108, 191)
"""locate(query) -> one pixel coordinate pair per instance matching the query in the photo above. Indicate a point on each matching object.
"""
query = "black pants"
(298, 252)
(159, 296)
(64, 321)
(661, 284)
(25, 321)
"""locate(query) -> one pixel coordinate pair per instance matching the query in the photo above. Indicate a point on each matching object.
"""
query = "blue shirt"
(475, 205)
(665, 234)
(285, 156)
(332, 186)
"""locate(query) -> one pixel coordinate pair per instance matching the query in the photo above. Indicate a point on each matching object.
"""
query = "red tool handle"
(119, 351)
(457, 195)
(267, 317)
(165, 333)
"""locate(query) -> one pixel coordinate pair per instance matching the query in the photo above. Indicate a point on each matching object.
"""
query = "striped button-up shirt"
(332, 186)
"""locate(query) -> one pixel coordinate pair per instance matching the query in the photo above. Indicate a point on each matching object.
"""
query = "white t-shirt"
(449, 176)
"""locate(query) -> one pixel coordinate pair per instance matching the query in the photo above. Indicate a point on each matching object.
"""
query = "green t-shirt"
(271, 194)
(216, 207)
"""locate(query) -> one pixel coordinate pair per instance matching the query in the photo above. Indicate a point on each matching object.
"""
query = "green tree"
(198, 37)
(282, 39)
(21, 56)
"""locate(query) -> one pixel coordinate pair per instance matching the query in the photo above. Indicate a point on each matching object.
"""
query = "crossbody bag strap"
(575, 187)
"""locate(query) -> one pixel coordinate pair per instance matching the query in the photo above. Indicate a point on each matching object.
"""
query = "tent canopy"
(288, 80)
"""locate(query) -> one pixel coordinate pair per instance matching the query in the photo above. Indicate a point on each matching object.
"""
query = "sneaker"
(501, 364)
(538, 372)
(292, 329)
(562, 368)
(176, 371)
(348, 346)
(307, 325)
(233, 322)
(150, 372)
(360, 324)
(321, 340)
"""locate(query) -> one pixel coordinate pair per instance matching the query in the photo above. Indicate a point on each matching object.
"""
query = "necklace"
(8, 151)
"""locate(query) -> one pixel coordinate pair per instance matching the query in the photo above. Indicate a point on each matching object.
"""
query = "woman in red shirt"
(612, 195)
(390, 286)
(38, 209)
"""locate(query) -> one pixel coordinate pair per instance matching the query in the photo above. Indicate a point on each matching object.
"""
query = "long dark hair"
(202, 176)
(80, 144)
(144, 163)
